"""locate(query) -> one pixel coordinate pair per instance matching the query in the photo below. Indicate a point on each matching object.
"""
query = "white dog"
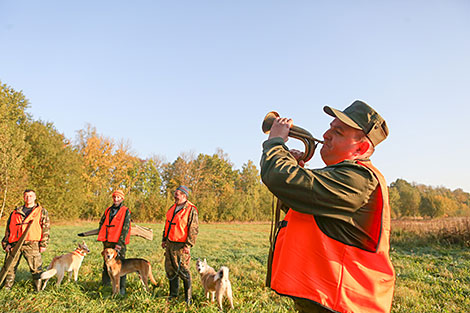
(65, 263)
(217, 283)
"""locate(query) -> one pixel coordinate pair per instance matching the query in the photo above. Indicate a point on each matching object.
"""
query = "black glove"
(81, 235)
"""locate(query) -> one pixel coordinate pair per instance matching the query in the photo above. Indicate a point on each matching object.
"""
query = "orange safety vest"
(18, 225)
(111, 231)
(308, 264)
(176, 226)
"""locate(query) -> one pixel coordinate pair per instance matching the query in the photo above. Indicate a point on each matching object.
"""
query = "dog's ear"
(102, 252)
(205, 261)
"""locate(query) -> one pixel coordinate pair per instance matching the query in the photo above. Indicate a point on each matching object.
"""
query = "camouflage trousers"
(30, 252)
(177, 261)
(307, 306)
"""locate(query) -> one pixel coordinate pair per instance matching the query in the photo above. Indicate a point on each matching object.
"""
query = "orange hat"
(118, 192)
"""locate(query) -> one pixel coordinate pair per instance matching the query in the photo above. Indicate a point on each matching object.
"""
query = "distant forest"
(74, 179)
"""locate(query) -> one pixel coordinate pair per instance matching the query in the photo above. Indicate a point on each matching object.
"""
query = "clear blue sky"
(194, 76)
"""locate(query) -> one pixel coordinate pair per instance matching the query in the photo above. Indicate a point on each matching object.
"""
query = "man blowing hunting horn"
(331, 251)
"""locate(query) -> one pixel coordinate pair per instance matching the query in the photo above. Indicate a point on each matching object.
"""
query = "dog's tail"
(222, 274)
(49, 273)
(152, 279)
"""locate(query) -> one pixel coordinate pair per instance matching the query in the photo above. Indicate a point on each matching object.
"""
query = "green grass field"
(430, 278)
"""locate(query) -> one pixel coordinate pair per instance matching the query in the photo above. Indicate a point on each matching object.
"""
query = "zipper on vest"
(171, 223)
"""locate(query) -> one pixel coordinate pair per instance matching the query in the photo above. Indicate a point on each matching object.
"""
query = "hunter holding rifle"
(114, 232)
(331, 252)
(36, 239)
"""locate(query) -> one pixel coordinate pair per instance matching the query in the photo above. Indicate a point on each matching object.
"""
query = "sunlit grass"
(432, 262)
(241, 247)
(431, 277)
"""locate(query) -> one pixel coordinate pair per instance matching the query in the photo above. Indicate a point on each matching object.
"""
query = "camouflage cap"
(361, 116)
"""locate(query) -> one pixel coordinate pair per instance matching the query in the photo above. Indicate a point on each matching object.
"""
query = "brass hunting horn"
(297, 132)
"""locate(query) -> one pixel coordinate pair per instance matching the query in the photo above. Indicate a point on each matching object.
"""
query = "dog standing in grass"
(217, 283)
(69, 262)
(118, 268)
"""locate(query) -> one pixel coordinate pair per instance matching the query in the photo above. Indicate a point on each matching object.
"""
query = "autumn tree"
(54, 171)
(13, 147)
(432, 205)
(220, 192)
(179, 172)
(150, 204)
(254, 198)
(106, 166)
(217, 186)
(395, 204)
(410, 198)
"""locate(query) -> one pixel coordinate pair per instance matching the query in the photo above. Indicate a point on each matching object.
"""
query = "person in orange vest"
(36, 240)
(331, 251)
(114, 232)
(179, 235)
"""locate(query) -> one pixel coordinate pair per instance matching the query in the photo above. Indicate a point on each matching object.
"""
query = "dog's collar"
(79, 252)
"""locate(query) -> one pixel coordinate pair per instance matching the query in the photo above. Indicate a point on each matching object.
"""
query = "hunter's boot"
(187, 291)
(9, 281)
(174, 286)
(122, 285)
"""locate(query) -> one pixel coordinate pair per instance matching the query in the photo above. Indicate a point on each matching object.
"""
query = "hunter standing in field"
(179, 235)
(332, 248)
(114, 232)
(36, 240)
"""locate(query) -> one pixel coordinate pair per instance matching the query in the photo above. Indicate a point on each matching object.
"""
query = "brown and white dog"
(217, 283)
(69, 262)
(117, 268)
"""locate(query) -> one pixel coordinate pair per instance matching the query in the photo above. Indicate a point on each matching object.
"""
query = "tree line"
(74, 178)
(418, 200)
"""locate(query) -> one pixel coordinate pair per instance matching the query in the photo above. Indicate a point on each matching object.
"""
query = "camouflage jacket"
(341, 197)
(45, 224)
